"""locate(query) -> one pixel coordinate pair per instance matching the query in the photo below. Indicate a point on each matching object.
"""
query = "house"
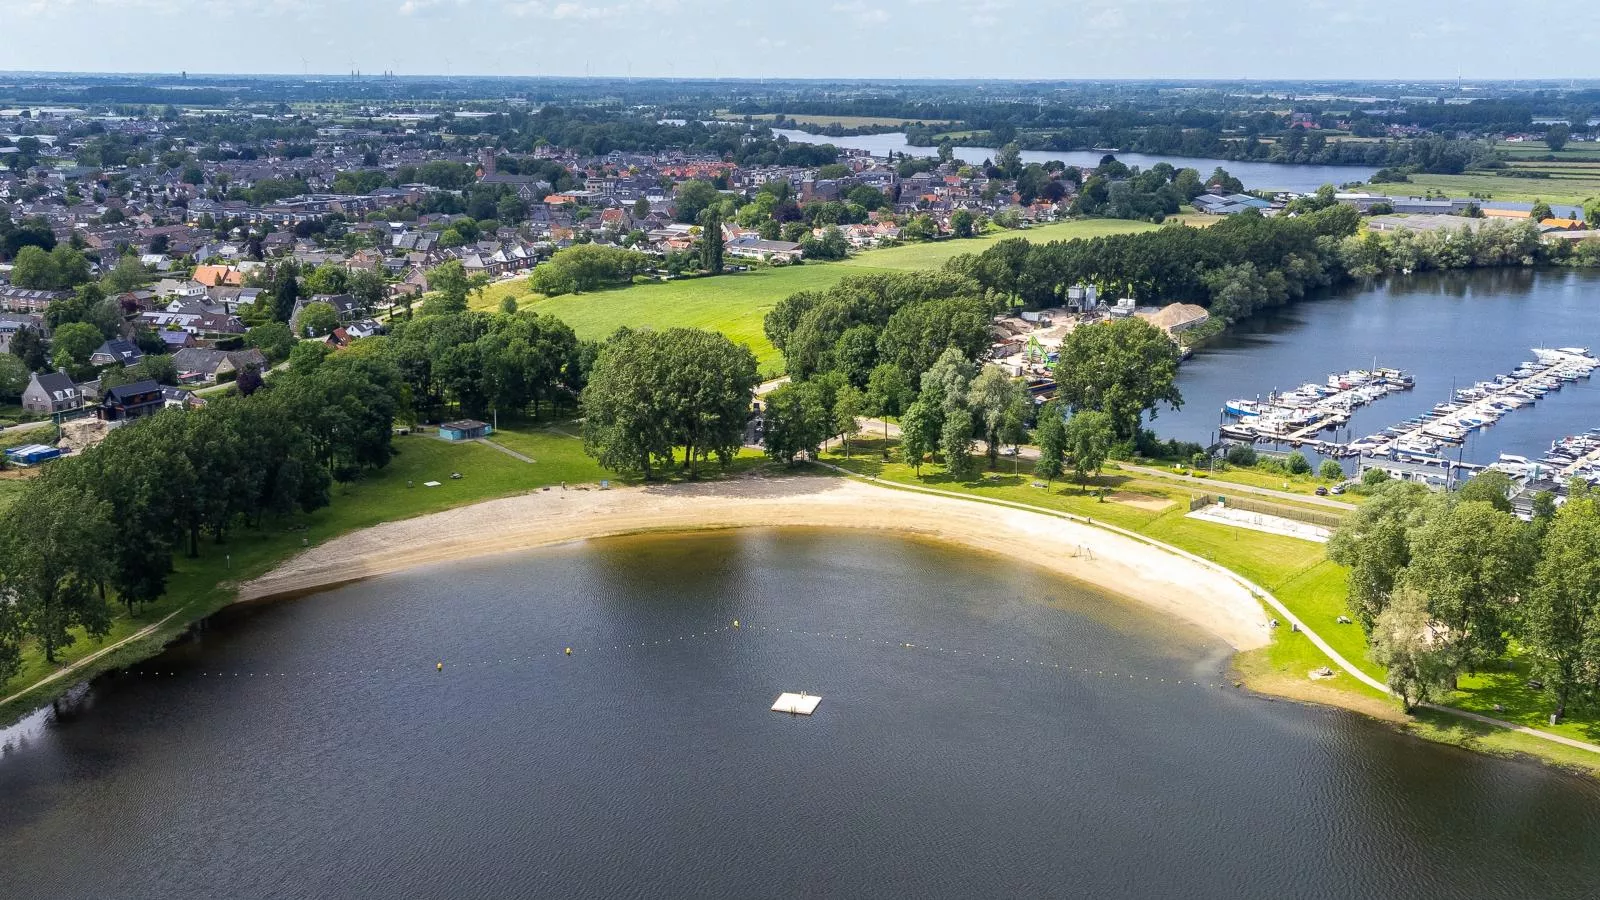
(26, 300)
(126, 402)
(465, 430)
(51, 393)
(176, 339)
(212, 366)
(218, 276)
(11, 324)
(769, 251)
(118, 351)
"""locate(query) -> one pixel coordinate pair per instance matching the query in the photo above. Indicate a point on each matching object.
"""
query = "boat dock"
(1297, 417)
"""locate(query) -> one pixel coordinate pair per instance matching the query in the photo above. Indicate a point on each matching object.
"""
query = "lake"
(985, 730)
(1448, 329)
(1255, 175)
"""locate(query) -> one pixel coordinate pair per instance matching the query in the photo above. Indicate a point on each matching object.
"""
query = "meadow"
(735, 304)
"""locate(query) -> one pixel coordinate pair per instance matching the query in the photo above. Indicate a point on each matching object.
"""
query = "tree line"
(103, 526)
(1446, 584)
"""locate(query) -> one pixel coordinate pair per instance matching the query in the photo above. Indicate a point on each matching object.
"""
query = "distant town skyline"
(1043, 39)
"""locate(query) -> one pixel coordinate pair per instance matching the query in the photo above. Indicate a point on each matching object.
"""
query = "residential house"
(51, 393)
(126, 402)
(119, 352)
(26, 300)
(768, 251)
(213, 366)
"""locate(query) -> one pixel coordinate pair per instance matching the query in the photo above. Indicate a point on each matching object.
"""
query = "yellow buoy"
(736, 623)
(569, 651)
(439, 668)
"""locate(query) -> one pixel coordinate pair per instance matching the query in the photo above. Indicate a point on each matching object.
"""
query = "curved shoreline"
(1163, 581)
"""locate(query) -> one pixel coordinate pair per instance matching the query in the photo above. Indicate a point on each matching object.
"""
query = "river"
(1254, 175)
(985, 730)
(1448, 329)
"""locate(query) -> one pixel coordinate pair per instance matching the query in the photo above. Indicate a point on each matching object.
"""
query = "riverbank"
(1168, 583)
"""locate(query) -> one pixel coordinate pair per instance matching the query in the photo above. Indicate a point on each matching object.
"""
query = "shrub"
(1331, 470)
(1298, 464)
(1242, 455)
(1374, 477)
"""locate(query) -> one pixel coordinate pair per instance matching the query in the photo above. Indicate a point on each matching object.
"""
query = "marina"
(1423, 443)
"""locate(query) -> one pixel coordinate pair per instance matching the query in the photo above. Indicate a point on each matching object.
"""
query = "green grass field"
(735, 304)
(1570, 185)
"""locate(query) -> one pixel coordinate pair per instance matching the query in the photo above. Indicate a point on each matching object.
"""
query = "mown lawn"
(735, 304)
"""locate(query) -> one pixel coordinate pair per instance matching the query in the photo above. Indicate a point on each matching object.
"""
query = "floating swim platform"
(798, 704)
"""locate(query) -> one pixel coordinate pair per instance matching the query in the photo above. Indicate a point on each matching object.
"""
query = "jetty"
(1296, 417)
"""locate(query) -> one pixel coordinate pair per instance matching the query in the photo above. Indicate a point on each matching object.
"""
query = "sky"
(1044, 39)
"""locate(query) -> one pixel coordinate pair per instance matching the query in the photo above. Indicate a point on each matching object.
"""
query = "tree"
(74, 343)
(849, 404)
(1374, 542)
(285, 290)
(48, 574)
(126, 275)
(34, 269)
(1540, 211)
(955, 441)
(711, 240)
(1330, 470)
(1489, 486)
(1470, 562)
(1555, 137)
(1298, 464)
(1089, 435)
(1121, 368)
(1052, 438)
(13, 377)
(693, 197)
(1561, 614)
(1241, 455)
(450, 286)
(641, 208)
(29, 346)
(995, 399)
(889, 392)
(961, 223)
(249, 380)
(795, 421)
(919, 433)
(652, 391)
(1412, 647)
(273, 339)
(318, 320)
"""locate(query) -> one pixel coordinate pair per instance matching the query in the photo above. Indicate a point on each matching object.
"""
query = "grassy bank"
(735, 304)
(200, 586)
(1299, 574)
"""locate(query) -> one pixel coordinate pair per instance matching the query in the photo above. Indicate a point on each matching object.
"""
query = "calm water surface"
(1255, 175)
(959, 767)
(1450, 330)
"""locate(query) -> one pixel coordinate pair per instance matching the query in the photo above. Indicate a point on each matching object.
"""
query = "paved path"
(1214, 486)
(506, 450)
(68, 670)
(1259, 591)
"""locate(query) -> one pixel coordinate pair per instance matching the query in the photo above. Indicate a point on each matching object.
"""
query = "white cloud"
(861, 13)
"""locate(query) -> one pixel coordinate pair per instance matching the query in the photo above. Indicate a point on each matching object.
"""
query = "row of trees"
(586, 267)
(1446, 584)
(103, 526)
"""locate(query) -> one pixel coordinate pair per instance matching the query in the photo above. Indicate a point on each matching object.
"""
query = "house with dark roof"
(119, 351)
(210, 366)
(51, 393)
(126, 402)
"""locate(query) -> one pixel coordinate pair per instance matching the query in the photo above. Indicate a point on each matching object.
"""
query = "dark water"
(1449, 330)
(657, 771)
(1255, 175)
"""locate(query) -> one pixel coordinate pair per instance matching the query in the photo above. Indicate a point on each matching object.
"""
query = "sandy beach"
(1172, 584)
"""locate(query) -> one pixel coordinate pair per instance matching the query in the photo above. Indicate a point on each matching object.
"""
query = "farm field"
(1568, 183)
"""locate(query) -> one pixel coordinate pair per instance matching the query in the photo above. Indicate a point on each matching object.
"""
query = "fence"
(1328, 519)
